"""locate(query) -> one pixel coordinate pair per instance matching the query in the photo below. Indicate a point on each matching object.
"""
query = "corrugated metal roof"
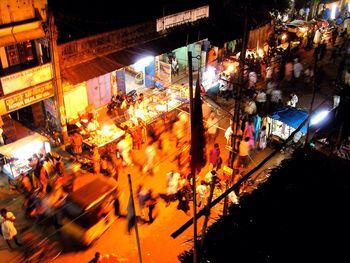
(108, 63)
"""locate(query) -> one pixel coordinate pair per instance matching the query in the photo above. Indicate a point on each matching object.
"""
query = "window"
(12, 55)
(20, 53)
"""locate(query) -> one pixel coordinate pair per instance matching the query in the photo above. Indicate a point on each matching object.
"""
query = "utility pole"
(315, 79)
(193, 171)
(55, 66)
(237, 106)
(238, 100)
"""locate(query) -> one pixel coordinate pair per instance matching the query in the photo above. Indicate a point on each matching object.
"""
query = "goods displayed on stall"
(102, 137)
(17, 154)
(158, 103)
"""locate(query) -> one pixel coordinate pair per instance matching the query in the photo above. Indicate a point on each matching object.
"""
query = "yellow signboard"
(26, 78)
(26, 97)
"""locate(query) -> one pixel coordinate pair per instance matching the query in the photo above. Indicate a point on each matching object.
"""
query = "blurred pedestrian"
(243, 153)
(142, 195)
(293, 100)
(212, 130)
(150, 153)
(201, 192)
(262, 138)
(308, 75)
(97, 258)
(288, 72)
(297, 69)
(215, 158)
(150, 205)
(96, 159)
(77, 143)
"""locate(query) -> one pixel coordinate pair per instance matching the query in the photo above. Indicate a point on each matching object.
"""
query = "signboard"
(182, 18)
(27, 97)
(26, 78)
(164, 73)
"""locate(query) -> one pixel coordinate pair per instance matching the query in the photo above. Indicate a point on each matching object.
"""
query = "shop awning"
(108, 63)
(89, 70)
(293, 117)
(29, 142)
(19, 33)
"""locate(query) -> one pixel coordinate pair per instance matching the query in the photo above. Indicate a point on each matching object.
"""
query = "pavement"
(156, 243)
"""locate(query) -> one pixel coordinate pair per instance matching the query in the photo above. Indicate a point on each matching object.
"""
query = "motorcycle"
(114, 104)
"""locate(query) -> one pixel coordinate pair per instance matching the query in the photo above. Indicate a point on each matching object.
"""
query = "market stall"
(285, 120)
(16, 154)
(158, 103)
(108, 134)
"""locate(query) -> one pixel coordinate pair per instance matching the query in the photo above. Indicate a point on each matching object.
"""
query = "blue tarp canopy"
(293, 117)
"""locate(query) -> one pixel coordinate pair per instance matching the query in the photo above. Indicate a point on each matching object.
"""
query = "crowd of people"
(49, 182)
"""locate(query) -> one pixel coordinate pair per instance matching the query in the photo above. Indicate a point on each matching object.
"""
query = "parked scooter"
(114, 104)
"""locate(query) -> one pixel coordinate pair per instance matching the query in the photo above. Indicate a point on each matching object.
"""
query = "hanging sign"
(26, 78)
(28, 97)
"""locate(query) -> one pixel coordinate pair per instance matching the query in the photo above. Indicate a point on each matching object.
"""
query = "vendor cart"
(284, 121)
(15, 155)
(108, 134)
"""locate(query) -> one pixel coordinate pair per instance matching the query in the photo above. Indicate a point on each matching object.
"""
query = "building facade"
(26, 73)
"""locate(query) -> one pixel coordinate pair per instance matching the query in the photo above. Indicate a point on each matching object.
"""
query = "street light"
(319, 117)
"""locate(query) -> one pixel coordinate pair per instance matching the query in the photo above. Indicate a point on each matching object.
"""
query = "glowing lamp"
(209, 75)
(333, 11)
(284, 37)
(319, 117)
(142, 63)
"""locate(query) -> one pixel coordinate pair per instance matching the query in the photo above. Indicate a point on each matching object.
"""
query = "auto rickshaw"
(89, 211)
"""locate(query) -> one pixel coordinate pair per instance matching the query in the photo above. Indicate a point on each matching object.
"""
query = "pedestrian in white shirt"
(297, 69)
(150, 153)
(293, 100)
(269, 71)
(8, 229)
(201, 191)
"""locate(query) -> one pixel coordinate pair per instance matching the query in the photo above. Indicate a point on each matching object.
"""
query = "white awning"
(19, 33)
(25, 147)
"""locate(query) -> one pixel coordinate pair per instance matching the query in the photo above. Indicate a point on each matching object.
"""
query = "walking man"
(8, 229)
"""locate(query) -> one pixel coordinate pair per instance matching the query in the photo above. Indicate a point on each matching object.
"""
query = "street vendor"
(92, 126)
(77, 143)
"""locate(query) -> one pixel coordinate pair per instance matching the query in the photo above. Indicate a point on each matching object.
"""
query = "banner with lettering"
(26, 78)
(26, 97)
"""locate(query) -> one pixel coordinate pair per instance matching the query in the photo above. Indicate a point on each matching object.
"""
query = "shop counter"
(16, 168)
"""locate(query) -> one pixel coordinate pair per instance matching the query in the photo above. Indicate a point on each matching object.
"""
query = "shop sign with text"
(28, 97)
(26, 78)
